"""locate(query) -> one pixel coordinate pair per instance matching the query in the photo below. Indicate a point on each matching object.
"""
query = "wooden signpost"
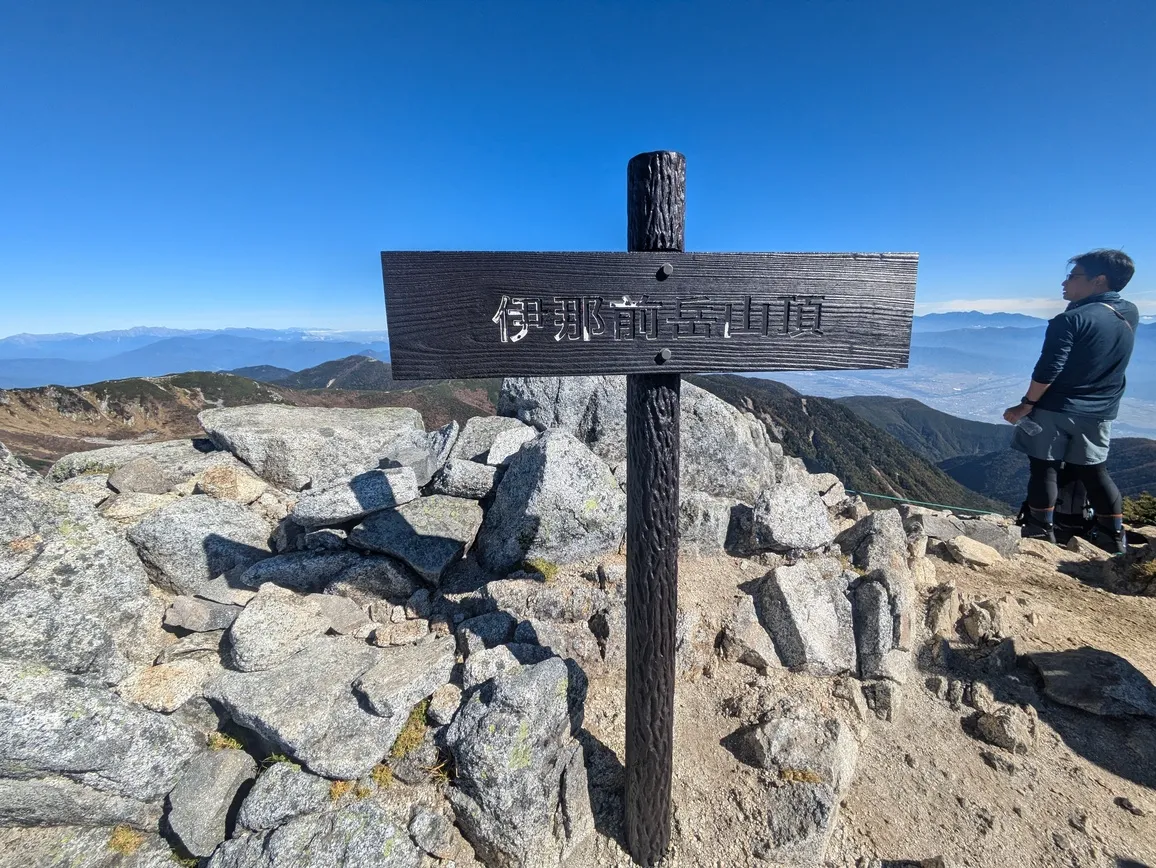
(652, 313)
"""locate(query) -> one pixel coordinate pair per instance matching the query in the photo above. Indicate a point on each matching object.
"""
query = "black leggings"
(1103, 494)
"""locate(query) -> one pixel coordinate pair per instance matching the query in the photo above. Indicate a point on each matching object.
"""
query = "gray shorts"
(1067, 438)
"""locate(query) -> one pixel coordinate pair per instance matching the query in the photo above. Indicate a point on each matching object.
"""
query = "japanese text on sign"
(587, 318)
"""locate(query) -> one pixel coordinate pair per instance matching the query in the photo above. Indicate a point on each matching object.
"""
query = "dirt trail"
(922, 787)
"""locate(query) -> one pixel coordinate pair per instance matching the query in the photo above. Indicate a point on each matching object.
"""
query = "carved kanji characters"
(516, 316)
(577, 318)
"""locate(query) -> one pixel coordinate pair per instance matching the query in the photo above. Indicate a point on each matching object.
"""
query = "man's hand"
(1014, 414)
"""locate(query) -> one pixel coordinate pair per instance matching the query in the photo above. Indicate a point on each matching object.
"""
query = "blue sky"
(241, 163)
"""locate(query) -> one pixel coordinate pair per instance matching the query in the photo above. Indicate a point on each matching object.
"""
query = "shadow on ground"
(1119, 742)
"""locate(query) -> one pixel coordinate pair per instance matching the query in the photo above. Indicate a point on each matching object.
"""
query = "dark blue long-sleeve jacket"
(1086, 350)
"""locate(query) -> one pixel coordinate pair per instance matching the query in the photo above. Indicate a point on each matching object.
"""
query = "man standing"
(1075, 394)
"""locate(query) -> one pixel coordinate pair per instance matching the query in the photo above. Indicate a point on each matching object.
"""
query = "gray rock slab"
(302, 447)
(356, 498)
(969, 552)
(507, 443)
(54, 724)
(1096, 681)
(364, 833)
(301, 571)
(57, 801)
(939, 527)
(79, 847)
(724, 452)
(1007, 727)
(799, 818)
(428, 534)
(443, 704)
(802, 747)
(485, 631)
(405, 675)
(181, 459)
(874, 628)
(92, 488)
(73, 594)
(307, 708)
(1005, 539)
(374, 578)
(344, 616)
(275, 625)
(703, 521)
(197, 539)
(433, 833)
(193, 645)
(168, 686)
(226, 590)
(441, 443)
(462, 478)
(876, 541)
(326, 539)
(483, 665)
(235, 483)
(200, 803)
(808, 616)
(556, 502)
(790, 516)
(478, 435)
(519, 768)
(282, 791)
(143, 475)
(200, 616)
(745, 640)
(131, 507)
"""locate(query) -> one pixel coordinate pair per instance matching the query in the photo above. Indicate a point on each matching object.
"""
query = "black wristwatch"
(1026, 400)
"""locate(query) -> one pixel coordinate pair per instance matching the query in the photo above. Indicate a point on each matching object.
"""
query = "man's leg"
(1043, 489)
(1108, 504)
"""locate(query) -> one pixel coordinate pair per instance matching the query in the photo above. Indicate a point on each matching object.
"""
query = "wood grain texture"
(446, 311)
(656, 201)
(652, 431)
(656, 193)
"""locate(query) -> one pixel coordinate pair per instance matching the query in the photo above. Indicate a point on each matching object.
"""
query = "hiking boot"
(1114, 542)
(1034, 529)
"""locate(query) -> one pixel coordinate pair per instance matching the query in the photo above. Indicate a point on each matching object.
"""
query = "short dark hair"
(1116, 265)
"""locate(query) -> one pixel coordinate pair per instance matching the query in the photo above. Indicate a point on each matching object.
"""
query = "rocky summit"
(333, 638)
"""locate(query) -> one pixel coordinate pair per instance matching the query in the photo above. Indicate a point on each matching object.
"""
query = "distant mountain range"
(877, 445)
(969, 319)
(978, 456)
(96, 359)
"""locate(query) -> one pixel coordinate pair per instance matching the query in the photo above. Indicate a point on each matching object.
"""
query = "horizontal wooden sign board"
(489, 314)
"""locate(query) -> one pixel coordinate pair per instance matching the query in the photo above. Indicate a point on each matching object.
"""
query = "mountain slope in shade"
(931, 433)
(830, 438)
(1003, 475)
(263, 373)
(351, 372)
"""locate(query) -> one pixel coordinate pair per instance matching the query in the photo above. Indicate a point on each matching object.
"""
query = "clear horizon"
(360, 329)
(245, 163)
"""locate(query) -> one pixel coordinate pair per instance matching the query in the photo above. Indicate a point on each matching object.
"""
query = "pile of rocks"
(232, 646)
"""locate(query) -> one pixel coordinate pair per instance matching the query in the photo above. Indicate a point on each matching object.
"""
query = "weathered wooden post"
(655, 222)
(652, 313)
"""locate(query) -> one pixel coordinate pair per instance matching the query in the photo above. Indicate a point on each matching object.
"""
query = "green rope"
(922, 503)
